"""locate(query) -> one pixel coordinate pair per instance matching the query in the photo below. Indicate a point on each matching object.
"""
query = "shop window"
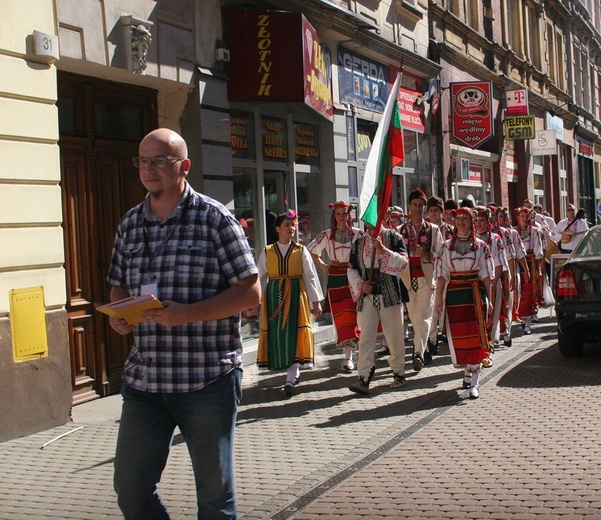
(242, 132)
(306, 144)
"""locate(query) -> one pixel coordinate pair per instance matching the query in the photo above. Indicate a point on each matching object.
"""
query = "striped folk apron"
(467, 318)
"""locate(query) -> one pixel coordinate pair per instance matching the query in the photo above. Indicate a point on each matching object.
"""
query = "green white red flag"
(387, 151)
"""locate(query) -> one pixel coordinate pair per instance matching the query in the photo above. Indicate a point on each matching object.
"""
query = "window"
(532, 36)
(563, 178)
(551, 65)
(514, 31)
(472, 14)
(559, 58)
(538, 179)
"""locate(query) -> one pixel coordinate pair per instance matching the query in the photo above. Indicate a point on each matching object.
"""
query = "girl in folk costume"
(530, 286)
(516, 254)
(465, 272)
(337, 242)
(485, 232)
(289, 282)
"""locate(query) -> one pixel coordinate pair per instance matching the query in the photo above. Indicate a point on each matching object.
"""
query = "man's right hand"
(120, 326)
(367, 287)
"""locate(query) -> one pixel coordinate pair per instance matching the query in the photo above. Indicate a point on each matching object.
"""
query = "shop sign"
(554, 123)
(412, 112)
(585, 147)
(519, 127)
(362, 82)
(516, 102)
(275, 139)
(365, 135)
(475, 172)
(545, 143)
(472, 113)
(306, 145)
(277, 56)
(350, 138)
(242, 135)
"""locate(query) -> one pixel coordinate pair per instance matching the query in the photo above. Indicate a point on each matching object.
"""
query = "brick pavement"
(327, 453)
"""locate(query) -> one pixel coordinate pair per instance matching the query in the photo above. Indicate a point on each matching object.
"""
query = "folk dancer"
(289, 282)
(434, 211)
(394, 219)
(530, 288)
(374, 268)
(465, 271)
(423, 241)
(514, 245)
(484, 231)
(337, 242)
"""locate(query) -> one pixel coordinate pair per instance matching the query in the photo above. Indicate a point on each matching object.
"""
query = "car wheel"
(569, 346)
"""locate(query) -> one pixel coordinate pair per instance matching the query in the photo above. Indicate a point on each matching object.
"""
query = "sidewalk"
(528, 448)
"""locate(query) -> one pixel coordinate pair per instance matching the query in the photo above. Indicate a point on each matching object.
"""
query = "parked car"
(578, 296)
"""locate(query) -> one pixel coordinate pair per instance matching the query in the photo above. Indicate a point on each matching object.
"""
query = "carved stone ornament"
(137, 42)
(140, 42)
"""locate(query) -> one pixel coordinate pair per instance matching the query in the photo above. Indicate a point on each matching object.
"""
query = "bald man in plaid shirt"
(184, 368)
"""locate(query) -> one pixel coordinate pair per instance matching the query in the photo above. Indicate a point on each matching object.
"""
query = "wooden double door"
(101, 124)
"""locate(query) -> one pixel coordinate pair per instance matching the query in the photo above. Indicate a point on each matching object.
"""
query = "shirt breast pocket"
(191, 257)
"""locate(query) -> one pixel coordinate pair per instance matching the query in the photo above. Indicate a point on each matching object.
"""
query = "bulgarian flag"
(387, 151)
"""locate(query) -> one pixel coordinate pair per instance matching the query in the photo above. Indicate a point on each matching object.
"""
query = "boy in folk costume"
(484, 231)
(374, 268)
(465, 270)
(337, 242)
(530, 288)
(423, 241)
(289, 282)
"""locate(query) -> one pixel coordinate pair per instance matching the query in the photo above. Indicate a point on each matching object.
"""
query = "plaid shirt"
(197, 252)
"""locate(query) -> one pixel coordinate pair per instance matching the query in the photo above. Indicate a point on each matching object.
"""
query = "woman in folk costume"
(465, 272)
(289, 282)
(337, 242)
(530, 288)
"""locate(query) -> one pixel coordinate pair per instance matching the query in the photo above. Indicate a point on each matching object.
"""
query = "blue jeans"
(206, 419)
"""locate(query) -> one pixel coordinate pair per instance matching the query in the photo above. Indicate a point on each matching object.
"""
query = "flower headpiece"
(339, 204)
(468, 212)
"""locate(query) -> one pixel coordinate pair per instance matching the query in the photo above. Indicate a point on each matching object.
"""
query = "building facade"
(547, 51)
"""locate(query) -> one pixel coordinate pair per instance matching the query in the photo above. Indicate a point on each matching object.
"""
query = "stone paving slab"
(328, 453)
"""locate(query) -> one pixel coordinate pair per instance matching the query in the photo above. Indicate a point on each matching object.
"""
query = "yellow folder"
(130, 308)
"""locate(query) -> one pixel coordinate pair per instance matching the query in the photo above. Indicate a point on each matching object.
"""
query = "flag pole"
(382, 192)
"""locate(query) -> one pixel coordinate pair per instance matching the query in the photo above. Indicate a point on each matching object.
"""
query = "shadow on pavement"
(549, 369)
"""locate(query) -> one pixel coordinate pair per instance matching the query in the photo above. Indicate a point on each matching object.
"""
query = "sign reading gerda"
(471, 103)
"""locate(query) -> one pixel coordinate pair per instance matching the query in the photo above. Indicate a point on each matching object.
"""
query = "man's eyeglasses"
(571, 209)
(157, 162)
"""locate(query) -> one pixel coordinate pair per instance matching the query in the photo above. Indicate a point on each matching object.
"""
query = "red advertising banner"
(471, 103)
(412, 113)
(277, 56)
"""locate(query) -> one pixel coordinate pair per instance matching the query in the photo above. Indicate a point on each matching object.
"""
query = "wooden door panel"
(76, 223)
(99, 184)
